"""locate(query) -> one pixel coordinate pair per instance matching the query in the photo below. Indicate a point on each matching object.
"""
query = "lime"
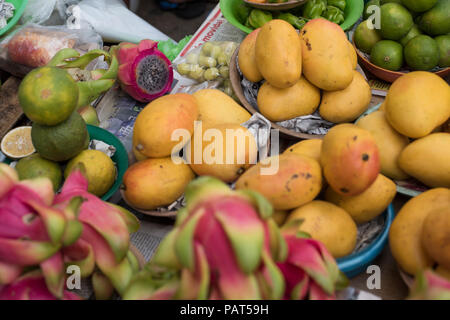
(443, 43)
(414, 32)
(63, 141)
(17, 143)
(422, 53)
(396, 21)
(391, 1)
(365, 38)
(387, 54)
(436, 21)
(48, 95)
(419, 5)
(99, 168)
(35, 166)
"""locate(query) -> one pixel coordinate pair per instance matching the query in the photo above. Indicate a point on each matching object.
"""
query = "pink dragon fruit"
(39, 229)
(310, 271)
(224, 246)
(429, 286)
(145, 73)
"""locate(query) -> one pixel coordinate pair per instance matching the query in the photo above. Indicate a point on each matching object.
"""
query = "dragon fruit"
(223, 245)
(145, 73)
(310, 271)
(429, 286)
(48, 232)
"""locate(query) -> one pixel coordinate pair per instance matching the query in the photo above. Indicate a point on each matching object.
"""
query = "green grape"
(211, 74)
(224, 72)
(207, 61)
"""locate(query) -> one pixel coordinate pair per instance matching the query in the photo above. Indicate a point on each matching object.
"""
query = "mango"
(405, 234)
(390, 143)
(216, 107)
(155, 124)
(310, 148)
(347, 104)
(224, 151)
(278, 54)
(428, 160)
(284, 104)
(297, 180)
(326, 59)
(280, 216)
(350, 159)
(327, 223)
(367, 205)
(436, 236)
(247, 58)
(417, 102)
(154, 183)
(353, 56)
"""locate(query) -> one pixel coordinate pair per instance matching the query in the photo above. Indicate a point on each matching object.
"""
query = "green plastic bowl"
(20, 8)
(353, 11)
(120, 158)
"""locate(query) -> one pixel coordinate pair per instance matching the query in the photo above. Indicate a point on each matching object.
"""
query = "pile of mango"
(158, 178)
(304, 72)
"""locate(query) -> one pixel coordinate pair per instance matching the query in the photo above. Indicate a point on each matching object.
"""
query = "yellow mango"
(326, 60)
(297, 180)
(278, 53)
(353, 56)
(328, 224)
(428, 160)
(436, 236)
(310, 148)
(390, 143)
(225, 151)
(348, 104)
(155, 124)
(350, 159)
(154, 183)
(216, 107)
(284, 104)
(405, 234)
(280, 216)
(247, 59)
(367, 205)
(417, 103)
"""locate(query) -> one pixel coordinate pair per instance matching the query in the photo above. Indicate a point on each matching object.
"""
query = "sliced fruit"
(17, 143)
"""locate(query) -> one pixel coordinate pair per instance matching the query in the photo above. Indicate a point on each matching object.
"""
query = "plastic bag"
(115, 23)
(207, 65)
(34, 46)
(38, 11)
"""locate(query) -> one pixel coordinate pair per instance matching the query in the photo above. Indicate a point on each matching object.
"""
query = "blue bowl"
(357, 263)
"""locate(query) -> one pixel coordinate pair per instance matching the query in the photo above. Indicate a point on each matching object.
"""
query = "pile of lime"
(412, 33)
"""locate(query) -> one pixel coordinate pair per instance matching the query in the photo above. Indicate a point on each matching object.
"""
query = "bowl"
(275, 6)
(384, 74)
(120, 158)
(357, 263)
(20, 8)
(352, 13)
(235, 80)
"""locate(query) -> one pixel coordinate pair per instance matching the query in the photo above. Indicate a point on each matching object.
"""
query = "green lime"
(63, 141)
(443, 43)
(396, 21)
(419, 5)
(414, 32)
(365, 38)
(422, 53)
(387, 54)
(391, 1)
(436, 21)
(35, 166)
